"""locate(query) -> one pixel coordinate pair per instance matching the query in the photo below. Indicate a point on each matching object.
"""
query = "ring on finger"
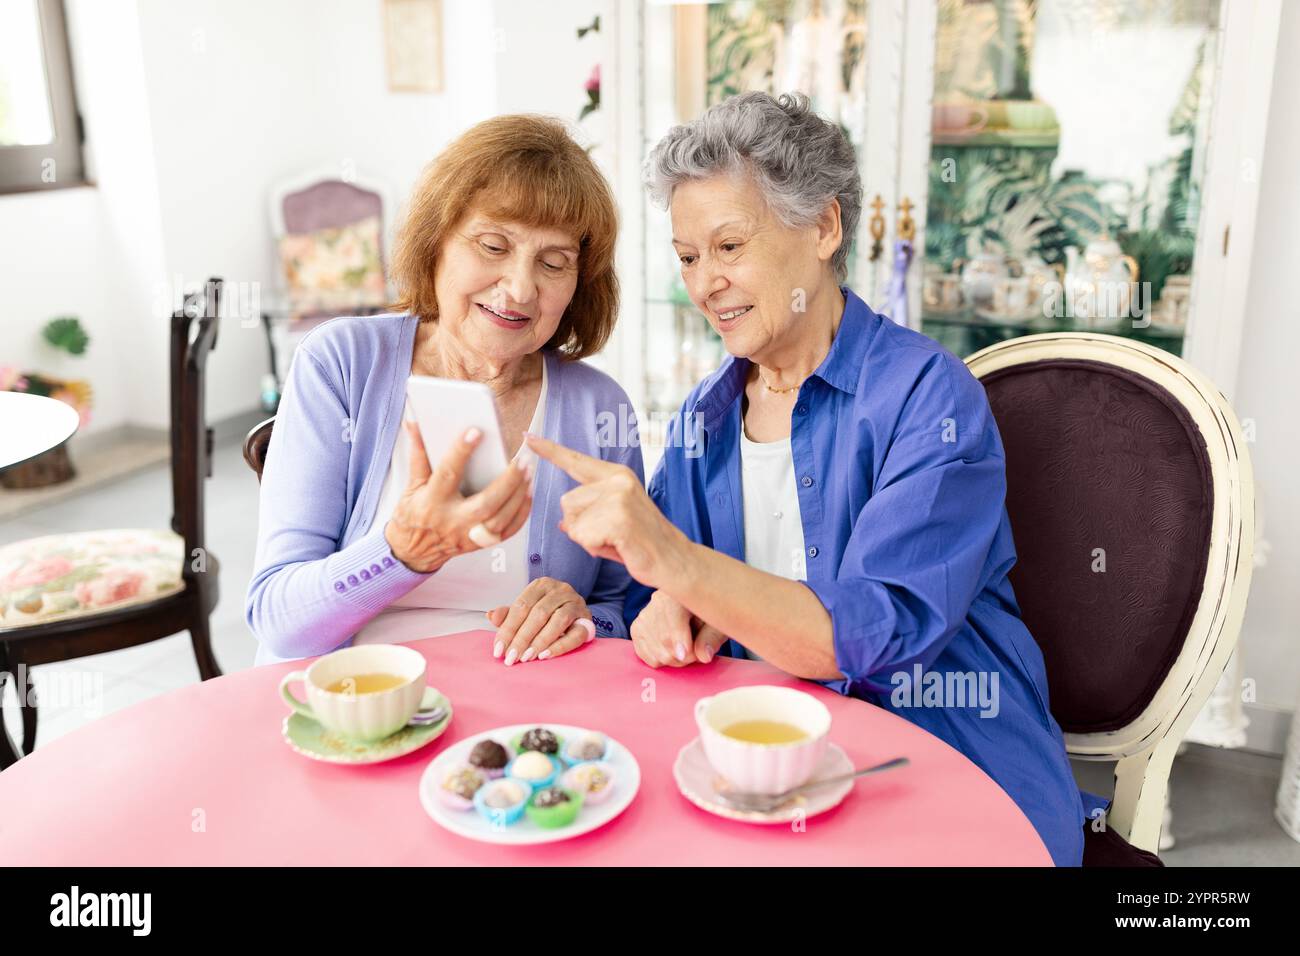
(483, 536)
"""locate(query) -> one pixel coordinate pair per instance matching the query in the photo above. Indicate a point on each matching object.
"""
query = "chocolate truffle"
(590, 747)
(539, 738)
(550, 797)
(489, 755)
(532, 766)
(464, 782)
(506, 793)
(590, 778)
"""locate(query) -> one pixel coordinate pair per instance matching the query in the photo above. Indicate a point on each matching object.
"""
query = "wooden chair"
(39, 627)
(1130, 495)
(310, 201)
(256, 442)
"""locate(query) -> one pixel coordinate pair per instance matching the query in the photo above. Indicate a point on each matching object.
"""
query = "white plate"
(469, 823)
(699, 783)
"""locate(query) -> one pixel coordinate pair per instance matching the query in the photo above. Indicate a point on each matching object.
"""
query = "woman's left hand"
(549, 618)
(609, 515)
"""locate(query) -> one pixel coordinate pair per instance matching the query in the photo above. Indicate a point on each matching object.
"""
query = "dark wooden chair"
(193, 334)
(256, 442)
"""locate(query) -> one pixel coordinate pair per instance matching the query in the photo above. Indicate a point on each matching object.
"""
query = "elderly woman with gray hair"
(833, 501)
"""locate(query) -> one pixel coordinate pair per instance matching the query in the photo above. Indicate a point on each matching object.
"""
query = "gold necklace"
(777, 391)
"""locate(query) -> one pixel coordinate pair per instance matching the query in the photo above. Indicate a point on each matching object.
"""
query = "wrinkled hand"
(609, 515)
(433, 522)
(549, 618)
(665, 634)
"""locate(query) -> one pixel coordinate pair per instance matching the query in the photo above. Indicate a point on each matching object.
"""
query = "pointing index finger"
(581, 468)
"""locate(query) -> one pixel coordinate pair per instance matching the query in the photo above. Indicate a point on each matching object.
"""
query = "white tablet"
(444, 409)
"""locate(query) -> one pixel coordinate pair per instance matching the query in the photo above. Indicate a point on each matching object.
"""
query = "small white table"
(31, 425)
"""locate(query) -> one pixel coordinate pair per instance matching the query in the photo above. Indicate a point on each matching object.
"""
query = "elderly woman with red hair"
(506, 268)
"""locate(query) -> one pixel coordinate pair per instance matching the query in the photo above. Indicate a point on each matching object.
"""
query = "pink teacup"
(763, 767)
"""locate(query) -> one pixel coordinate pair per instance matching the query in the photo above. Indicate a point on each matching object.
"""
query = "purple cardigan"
(322, 570)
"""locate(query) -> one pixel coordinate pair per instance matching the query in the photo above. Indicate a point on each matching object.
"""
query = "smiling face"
(744, 268)
(502, 288)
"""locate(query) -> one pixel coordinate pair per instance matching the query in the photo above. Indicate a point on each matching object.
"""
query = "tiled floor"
(1222, 800)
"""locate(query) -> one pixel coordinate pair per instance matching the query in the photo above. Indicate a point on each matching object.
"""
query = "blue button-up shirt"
(901, 482)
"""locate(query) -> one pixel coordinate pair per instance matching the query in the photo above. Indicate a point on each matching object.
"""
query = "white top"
(456, 597)
(773, 527)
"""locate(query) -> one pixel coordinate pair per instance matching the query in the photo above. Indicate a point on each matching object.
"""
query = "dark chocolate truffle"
(489, 755)
(539, 738)
(550, 797)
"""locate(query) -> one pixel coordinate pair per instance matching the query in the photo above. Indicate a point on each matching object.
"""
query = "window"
(40, 130)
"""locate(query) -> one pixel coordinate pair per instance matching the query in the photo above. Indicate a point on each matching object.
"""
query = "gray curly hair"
(799, 160)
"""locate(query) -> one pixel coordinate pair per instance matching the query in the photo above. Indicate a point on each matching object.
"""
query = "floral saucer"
(310, 739)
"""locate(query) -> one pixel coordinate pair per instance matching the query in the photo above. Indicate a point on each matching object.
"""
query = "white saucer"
(469, 823)
(699, 783)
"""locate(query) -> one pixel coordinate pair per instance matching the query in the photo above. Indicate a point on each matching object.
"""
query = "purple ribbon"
(896, 301)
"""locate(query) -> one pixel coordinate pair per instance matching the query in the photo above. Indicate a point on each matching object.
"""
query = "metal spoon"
(422, 717)
(766, 803)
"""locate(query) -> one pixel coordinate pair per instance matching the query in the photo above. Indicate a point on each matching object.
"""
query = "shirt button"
(806, 481)
(802, 409)
(534, 558)
(812, 552)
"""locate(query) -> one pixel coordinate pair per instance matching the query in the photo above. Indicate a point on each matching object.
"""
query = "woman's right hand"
(665, 634)
(433, 522)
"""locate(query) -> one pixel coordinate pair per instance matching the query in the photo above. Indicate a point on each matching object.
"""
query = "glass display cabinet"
(1049, 164)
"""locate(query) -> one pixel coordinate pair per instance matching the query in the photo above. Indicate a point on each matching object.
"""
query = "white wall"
(193, 110)
(1268, 394)
(46, 272)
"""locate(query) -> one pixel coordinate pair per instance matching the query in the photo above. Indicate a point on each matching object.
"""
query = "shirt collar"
(842, 367)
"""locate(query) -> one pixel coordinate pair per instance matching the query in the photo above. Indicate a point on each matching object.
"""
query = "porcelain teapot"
(1098, 283)
(979, 275)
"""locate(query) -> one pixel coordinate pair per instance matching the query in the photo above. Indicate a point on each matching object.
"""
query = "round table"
(201, 775)
(33, 424)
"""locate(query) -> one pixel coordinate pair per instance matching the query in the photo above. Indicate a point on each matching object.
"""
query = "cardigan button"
(340, 586)
(365, 574)
(376, 569)
(352, 580)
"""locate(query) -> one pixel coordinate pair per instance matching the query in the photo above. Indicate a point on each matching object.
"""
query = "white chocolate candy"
(532, 766)
(504, 794)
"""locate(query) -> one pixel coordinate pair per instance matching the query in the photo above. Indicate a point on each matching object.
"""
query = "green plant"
(66, 333)
(996, 200)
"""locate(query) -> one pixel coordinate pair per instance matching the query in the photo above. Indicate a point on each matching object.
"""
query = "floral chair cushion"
(334, 268)
(69, 575)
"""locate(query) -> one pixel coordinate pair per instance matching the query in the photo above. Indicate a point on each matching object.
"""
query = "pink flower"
(36, 573)
(593, 81)
(117, 585)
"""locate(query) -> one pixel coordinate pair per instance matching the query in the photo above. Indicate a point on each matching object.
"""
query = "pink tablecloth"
(202, 776)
